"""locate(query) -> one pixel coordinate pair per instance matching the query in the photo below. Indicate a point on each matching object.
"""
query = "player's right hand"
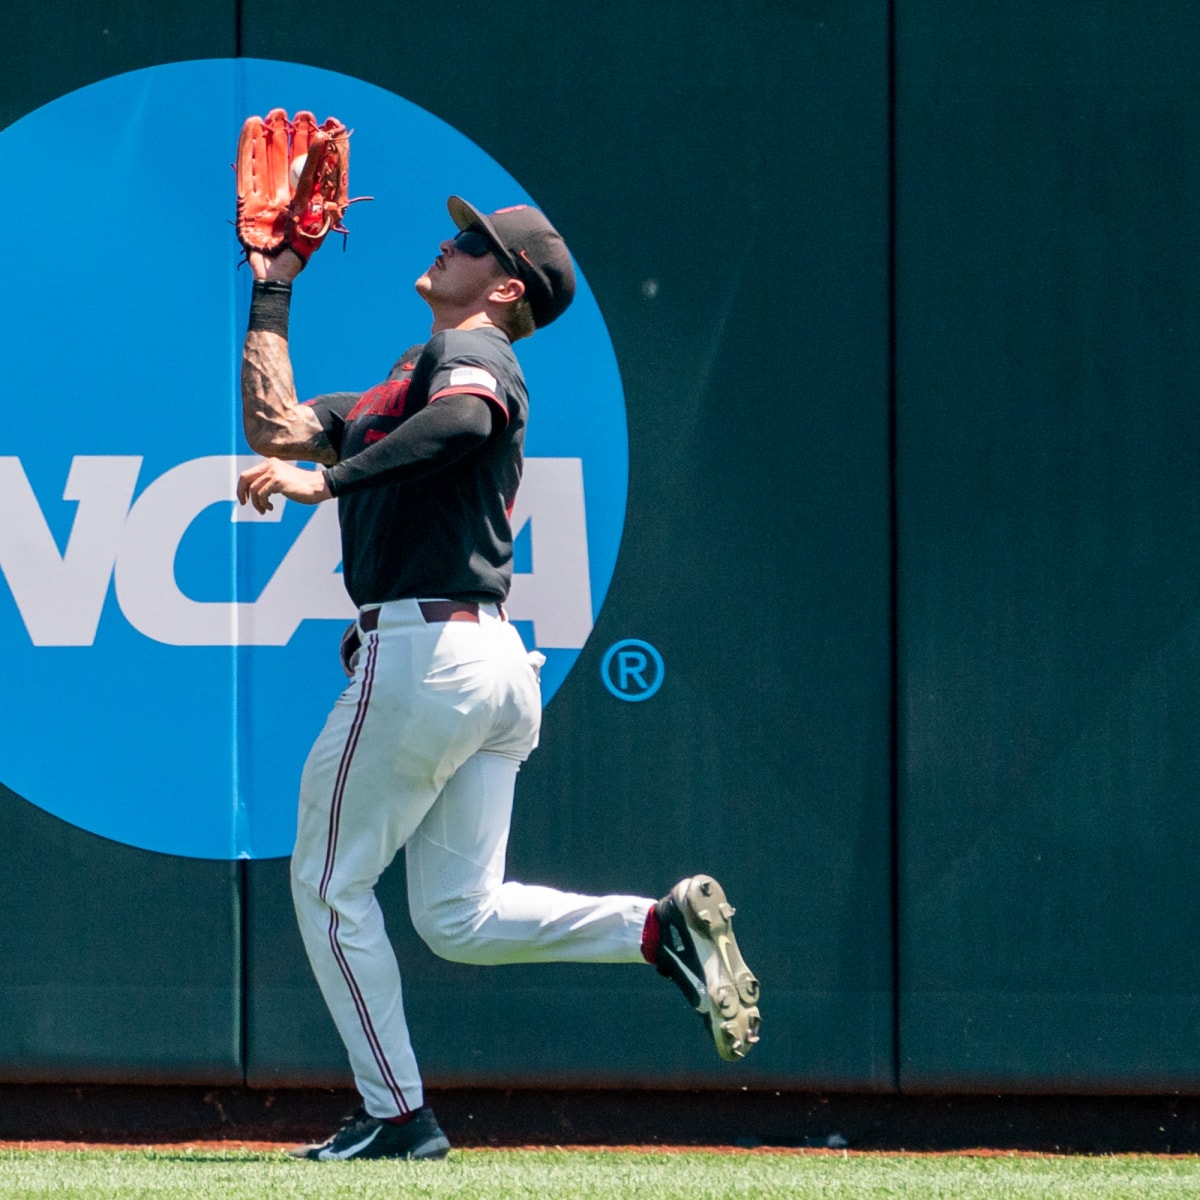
(271, 477)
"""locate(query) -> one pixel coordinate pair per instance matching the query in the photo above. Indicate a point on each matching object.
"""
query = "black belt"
(434, 611)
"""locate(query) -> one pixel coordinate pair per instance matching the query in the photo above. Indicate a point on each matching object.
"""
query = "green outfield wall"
(903, 300)
(1046, 358)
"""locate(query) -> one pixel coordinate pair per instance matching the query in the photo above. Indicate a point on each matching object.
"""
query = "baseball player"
(422, 749)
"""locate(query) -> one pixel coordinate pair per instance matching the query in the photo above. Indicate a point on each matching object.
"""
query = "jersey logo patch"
(383, 400)
(473, 377)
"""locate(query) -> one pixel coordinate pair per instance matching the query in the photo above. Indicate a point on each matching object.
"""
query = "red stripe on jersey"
(472, 391)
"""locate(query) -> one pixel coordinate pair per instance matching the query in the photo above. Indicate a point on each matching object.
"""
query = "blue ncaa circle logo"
(176, 654)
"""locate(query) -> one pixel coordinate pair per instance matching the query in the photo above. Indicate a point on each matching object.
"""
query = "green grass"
(586, 1175)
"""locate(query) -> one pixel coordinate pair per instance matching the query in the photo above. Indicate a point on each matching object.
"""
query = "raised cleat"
(698, 951)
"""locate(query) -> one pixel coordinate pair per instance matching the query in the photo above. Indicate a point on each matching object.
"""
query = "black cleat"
(699, 952)
(364, 1136)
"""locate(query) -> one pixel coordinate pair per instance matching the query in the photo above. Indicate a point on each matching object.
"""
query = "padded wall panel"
(1049, 613)
(116, 965)
(720, 172)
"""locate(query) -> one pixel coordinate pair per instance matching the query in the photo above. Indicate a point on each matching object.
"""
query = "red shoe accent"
(402, 1119)
(651, 937)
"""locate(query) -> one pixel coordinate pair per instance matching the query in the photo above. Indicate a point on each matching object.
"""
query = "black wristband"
(269, 302)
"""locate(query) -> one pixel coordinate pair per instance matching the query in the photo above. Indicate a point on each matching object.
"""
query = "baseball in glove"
(292, 182)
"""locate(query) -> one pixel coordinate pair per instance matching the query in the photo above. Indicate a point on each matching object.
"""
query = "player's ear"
(507, 290)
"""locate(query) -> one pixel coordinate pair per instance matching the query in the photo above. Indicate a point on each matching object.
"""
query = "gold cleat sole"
(732, 986)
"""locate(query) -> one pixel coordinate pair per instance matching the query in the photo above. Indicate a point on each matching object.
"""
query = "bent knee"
(451, 931)
(311, 889)
(305, 881)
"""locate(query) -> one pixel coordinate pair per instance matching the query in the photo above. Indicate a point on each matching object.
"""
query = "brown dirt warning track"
(57, 1117)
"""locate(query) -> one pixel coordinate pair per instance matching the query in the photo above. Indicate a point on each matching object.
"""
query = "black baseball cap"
(530, 248)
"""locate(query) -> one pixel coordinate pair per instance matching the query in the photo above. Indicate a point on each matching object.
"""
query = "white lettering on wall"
(61, 596)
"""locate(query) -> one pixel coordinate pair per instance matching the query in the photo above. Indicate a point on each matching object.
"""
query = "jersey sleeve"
(470, 376)
(331, 411)
(435, 437)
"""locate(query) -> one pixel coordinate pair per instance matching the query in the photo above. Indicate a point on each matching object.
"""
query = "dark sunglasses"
(473, 243)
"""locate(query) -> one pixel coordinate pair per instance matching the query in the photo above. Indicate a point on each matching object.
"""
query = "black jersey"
(416, 526)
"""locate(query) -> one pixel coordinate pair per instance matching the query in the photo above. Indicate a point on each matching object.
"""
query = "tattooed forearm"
(276, 424)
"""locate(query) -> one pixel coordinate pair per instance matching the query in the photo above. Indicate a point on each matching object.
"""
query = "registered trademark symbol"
(632, 670)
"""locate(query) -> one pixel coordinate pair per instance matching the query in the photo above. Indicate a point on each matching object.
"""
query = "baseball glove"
(292, 182)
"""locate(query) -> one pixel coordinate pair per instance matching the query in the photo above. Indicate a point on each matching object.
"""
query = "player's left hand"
(257, 484)
(283, 266)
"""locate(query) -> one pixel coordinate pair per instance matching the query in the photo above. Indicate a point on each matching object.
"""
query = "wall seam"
(894, 546)
(243, 875)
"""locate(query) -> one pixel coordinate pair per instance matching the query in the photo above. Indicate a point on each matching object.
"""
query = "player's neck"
(475, 320)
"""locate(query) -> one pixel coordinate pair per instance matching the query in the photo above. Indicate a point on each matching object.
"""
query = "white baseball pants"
(422, 750)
